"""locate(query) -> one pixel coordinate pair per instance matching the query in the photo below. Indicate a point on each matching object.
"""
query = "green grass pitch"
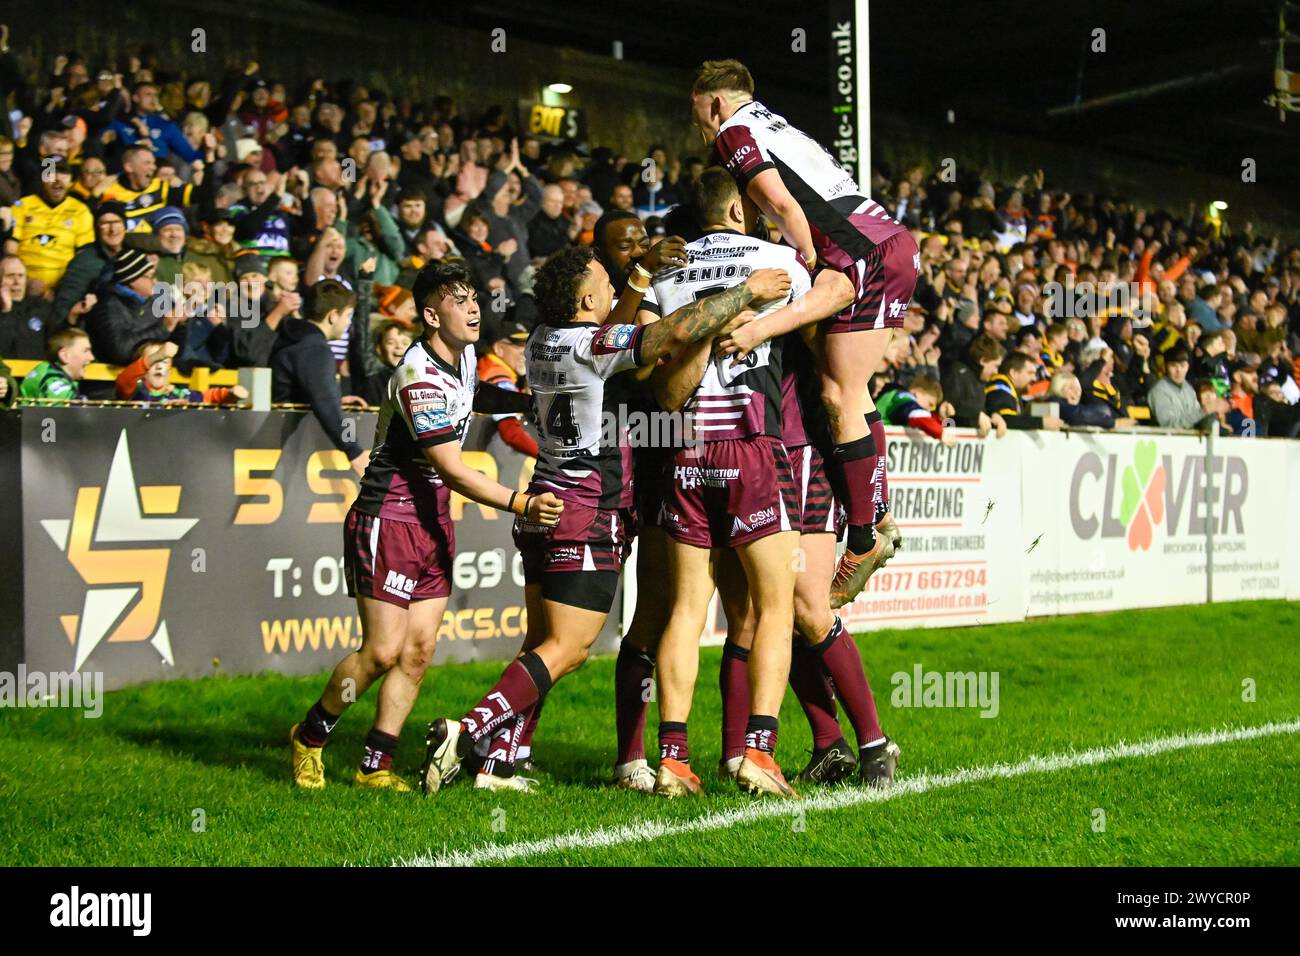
(124, 789)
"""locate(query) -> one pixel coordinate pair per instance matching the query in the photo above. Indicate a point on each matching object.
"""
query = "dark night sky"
(999, 64)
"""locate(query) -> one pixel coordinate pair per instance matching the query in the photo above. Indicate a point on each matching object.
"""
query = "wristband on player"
(643, 271)
(510, 505)
(523, 512)
(641, 289)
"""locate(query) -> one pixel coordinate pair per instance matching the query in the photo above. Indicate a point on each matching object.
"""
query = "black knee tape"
(537, 671)
(736, 651)
(864, 447)
(589, 590)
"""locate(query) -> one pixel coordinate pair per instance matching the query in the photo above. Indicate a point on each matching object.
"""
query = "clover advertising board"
(1127, 521)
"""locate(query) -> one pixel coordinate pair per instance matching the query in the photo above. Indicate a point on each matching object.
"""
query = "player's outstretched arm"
(476, 486)
(708, 316)
(770, 195)
(830, 294)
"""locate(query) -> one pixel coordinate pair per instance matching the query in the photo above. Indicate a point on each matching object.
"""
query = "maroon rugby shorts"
(397, 561)
(818, 512)
(722, 494)
(884, 281)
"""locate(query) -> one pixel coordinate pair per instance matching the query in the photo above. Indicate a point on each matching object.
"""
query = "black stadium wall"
(152, 544)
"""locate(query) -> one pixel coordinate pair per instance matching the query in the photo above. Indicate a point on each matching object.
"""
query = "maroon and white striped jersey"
(573, 371)
(735, 399)
(755, 139)
(428, 403)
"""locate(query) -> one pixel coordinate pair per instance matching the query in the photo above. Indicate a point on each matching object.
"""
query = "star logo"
(124, 585)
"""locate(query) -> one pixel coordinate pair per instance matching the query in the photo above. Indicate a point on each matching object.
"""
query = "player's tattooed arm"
(674, 382)
(705, 318)
(832, 293)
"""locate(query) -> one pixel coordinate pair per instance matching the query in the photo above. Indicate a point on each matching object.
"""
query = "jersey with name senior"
(582, 410)
(755, 139)
(428, 403)
(735, 399)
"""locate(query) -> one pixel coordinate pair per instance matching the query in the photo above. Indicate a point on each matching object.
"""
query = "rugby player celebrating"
(399, 542)
(825, 665)
(825, 215)
(574, 358)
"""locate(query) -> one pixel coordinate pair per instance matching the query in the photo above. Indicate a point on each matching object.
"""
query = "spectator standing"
(303, 369)
(49, 226)
(142, 192)
(502, 365)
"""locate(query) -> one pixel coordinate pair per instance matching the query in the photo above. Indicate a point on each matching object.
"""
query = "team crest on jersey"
(614, 339)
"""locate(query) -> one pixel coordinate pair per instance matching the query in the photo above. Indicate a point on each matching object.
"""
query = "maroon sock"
(843, 664)
(672, 742)
(525, 737)
(504, 747)
(812, 687)
(522, 684)
(879, 481)
(633, 672)
(855, 463)
(733, 681)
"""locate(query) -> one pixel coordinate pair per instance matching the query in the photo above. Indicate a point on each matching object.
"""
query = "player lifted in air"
(825, 215)
(825, 666)
(574, 359)
(398, 536)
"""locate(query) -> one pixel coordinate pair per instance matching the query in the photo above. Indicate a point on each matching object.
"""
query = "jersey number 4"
(559, 420)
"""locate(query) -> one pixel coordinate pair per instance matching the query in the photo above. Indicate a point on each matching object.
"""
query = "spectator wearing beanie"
(91, 268)
(254, 335)
(124, 317)
(173, 232)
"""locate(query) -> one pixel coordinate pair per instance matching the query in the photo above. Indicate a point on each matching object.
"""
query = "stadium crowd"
(151, 216)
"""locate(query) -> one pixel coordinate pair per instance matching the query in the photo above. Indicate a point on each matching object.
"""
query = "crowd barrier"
(1041, 523)
(155, 543)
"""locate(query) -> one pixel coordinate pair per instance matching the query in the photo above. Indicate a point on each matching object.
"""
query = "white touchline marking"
(839, 798)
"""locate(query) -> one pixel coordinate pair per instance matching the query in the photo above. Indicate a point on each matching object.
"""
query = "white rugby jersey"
(735, 399)
(755, 139)
(428, 403)
(583, 455)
